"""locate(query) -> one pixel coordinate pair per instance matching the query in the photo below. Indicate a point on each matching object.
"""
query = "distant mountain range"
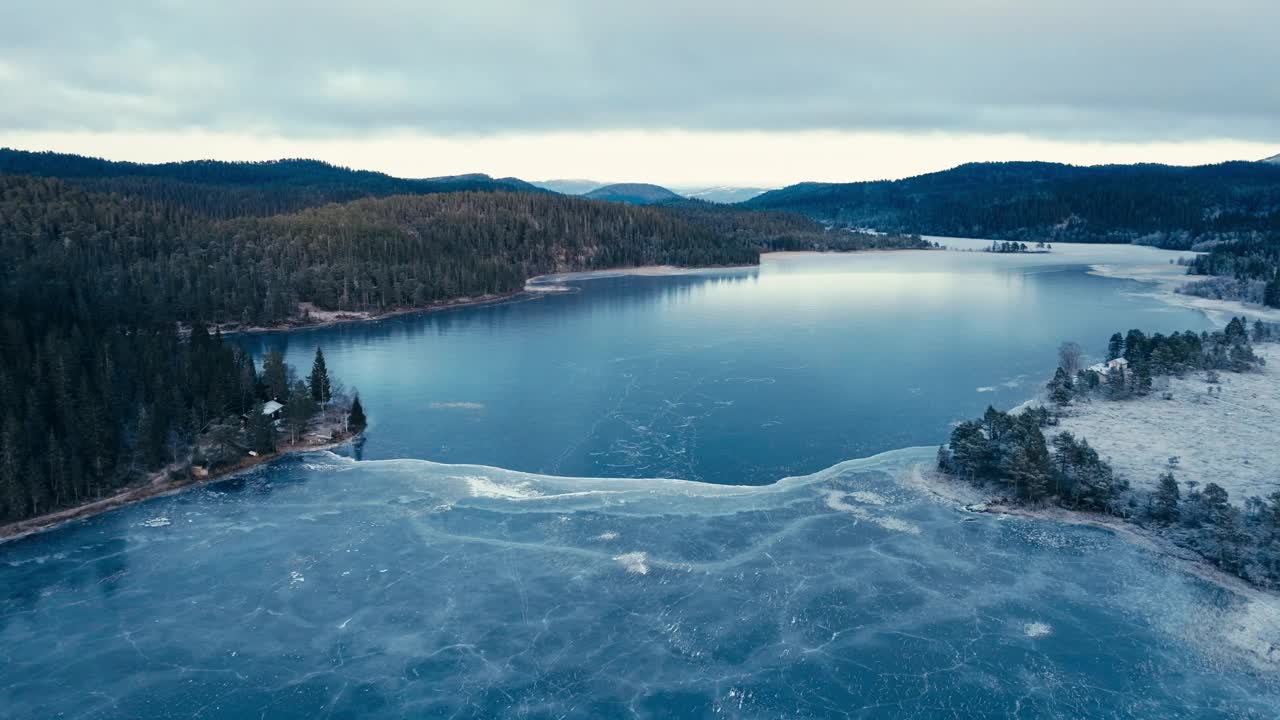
(1156, 204)
(1272, 159)
(721, 193)
(716, 194)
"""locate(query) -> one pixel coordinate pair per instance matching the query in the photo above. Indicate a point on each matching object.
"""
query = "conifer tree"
(262, 437)
(1115, 347)
(299, 410)
(1165, 500)
(275, 376)
(321, 391)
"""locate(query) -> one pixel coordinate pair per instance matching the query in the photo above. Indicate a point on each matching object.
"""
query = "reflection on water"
(732, 376)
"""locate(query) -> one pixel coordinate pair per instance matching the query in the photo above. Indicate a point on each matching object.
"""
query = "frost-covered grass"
(1229, 438)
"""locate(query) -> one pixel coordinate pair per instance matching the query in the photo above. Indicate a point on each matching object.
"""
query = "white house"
(270, 408)
(1119, 364)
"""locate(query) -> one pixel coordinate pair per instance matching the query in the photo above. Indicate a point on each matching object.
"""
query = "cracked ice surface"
(323, 586)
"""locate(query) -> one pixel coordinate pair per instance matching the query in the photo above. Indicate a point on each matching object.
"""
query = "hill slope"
(230, 189)
(125, 259)
(1155, 204)
(633, 193)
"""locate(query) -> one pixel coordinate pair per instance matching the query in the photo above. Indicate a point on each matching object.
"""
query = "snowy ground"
(1230, 439)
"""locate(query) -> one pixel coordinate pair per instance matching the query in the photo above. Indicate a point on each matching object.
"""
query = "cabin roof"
(271, 407)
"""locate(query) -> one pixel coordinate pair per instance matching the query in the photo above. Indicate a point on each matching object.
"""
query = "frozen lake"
(567, 585)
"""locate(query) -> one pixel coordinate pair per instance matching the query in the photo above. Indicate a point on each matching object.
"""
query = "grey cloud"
(1087, 69)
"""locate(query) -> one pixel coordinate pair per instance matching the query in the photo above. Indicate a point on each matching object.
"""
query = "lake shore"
(313, 317)
(165, 482)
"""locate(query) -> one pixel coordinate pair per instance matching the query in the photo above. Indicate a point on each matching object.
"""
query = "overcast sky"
(674, 92)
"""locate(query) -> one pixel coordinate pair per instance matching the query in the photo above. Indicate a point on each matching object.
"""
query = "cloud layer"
(1082, 70)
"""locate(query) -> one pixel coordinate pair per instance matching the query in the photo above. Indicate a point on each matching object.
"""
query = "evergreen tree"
(1165, 499)
(262, 436)
(1117, 389)
(970, 448)
(356, 419)
(1060, 388)
(944, 463)
(1271, 296)
(1028, 464)
(1115, 347)
(275, 376)
(13, 490)
(299, 410)
(1235, 332)
(318, 381)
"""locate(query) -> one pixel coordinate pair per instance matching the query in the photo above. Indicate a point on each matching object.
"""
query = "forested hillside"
(1243, 270)
(775, 230)
(98, 386)
(230, 189)
(1176, 207)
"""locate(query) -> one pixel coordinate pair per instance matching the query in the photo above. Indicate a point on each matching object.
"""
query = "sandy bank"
(317, 318)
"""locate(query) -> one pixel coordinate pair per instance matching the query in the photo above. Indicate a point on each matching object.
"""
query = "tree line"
(1166, 206)
(222, 190)
(82, 254)
(1147, 357)
(1247, 269)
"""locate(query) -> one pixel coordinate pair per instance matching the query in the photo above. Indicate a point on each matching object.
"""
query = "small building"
(272, 409)
(1119, 365)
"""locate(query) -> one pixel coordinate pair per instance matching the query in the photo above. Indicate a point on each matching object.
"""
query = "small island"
(1006, 247)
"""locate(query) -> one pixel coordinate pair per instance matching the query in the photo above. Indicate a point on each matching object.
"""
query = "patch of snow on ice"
(634, 562)
(1036, 629)
(155, 522)
(484, 487)
(987, 388)
(296, 579)
(457, 406)
(606, 536)
(869, 498)
(836, 501)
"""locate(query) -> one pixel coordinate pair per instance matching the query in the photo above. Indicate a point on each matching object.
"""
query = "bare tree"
(1069, 358)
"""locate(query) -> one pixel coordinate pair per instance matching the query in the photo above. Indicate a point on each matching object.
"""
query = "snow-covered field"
(1232, 439)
